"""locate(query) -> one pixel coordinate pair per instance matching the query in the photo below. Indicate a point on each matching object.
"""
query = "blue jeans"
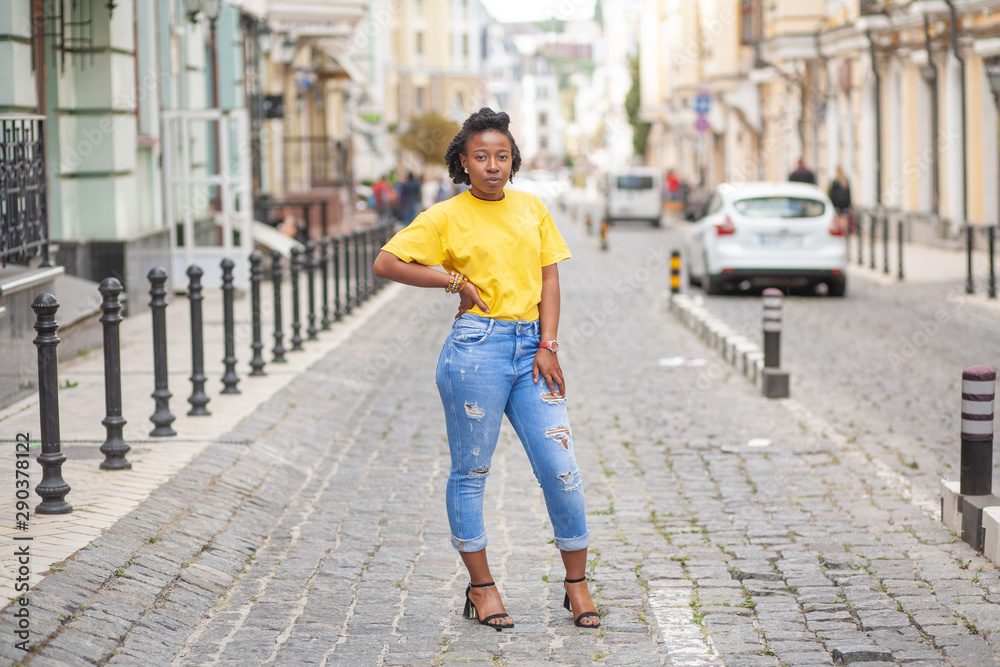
(483, 373)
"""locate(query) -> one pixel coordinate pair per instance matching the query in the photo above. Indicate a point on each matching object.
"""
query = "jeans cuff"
(470, 546)
(573, 543)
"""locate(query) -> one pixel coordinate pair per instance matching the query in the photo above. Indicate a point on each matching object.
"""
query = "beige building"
(896, 93)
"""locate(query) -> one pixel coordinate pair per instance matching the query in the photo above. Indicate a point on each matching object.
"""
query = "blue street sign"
(702, 104)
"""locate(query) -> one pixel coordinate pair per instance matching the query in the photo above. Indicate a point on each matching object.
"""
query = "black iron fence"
(24, 224)
(315, 162)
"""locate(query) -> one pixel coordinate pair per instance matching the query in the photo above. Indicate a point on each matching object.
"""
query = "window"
(780, 207)
(543, 143)
(635, 182)
(465, 45)
(418, 99)
(420, 43)
(749, 21)
(543, 119)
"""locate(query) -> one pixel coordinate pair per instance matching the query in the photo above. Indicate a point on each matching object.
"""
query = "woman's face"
(488, 159)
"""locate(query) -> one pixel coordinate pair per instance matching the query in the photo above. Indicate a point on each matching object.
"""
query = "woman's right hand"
(469, 297)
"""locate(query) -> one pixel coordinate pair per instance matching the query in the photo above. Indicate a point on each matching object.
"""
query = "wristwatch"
(550, 345)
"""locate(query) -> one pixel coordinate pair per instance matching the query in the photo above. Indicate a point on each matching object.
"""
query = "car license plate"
(781, 240)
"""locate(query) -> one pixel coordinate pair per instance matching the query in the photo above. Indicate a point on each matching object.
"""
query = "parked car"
(634, 193)
(767, 234)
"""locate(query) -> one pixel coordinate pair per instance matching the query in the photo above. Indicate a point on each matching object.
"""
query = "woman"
(840, 197)
(500, 248)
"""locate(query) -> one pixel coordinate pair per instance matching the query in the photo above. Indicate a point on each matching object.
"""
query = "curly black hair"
(483, 120)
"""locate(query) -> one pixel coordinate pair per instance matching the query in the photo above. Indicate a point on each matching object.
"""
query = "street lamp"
(287, 53)
(265, 38)
(211, 9)
(192, 7)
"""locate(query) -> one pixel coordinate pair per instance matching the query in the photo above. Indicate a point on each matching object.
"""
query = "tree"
(640, 129)
(428, 136)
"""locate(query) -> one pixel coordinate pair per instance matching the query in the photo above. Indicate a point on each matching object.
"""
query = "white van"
(634, 193)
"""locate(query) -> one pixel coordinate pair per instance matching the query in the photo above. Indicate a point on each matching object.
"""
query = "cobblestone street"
(325, 540)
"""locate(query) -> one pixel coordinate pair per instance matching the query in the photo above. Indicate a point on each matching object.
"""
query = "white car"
(767, 234)
(634, 194)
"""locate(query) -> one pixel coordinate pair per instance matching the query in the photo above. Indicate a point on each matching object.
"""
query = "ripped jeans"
(483, 373)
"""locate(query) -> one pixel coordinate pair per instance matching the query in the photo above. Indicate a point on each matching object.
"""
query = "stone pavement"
(727, 529)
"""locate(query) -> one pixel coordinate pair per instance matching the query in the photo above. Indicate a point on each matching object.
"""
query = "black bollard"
(885, 243)
(276, 272)
(991, 232)
(229, 377)
(161, 416)
(899, 234)
(369, 259)
(348, 300)
(324, 261)
(774, 381)
(338, 314)
(114, 448)
(970, 287)
(675, 272)
(257, 362)
(978, 392)
(296, 324)
(53, 488)
(358, 298)
(198, 398)
(861, 237)
(873, 221)
(310, 267)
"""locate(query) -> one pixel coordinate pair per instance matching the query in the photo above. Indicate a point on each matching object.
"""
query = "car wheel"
(693, 281)
(837, 286)
(712, 284)
(655, 222)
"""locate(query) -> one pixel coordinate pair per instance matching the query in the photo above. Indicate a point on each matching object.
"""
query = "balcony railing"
(315, 162)
(869, 7)
(24, 223)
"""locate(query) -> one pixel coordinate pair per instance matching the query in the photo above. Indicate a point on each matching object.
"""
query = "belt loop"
(489, 327)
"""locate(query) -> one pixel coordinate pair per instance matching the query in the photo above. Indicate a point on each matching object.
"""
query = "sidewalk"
(100, 497)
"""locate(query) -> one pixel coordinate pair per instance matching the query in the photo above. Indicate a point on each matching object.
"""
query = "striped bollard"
(774, 381)
(978, 391)
(975, 483)
(675, 272)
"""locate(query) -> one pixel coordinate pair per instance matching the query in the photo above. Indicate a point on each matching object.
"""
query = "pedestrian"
(383, 195)
(409, 198)
(671, 186)
(840, 197)
(802, 174)
(500, 248)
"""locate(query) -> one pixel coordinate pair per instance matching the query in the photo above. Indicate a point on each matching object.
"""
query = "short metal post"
(276, 273)
(604, 235)
(991, 232)
(229, 378)
(774, 381)
(296, 323)
(161, 416)
(675, 272)
(970, 286)
(899, 233)
(772, 327)
(53, 488)
(309, 264)
(861, 236)
(338, 314)
(324, 266)
(885, 243)
(367, 263)
(256, 274)
(873, 219)
(358, 286)
(978, 391)
(198, 398)
(114, 448)
(348, 299)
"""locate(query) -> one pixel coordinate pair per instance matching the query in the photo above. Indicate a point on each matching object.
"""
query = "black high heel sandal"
(586, 614)
(473, 613)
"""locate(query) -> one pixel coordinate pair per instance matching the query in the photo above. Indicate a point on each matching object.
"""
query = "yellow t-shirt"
(501, 246)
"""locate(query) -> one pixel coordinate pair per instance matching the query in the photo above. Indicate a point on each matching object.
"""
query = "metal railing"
(24, 224)
(315, 162)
